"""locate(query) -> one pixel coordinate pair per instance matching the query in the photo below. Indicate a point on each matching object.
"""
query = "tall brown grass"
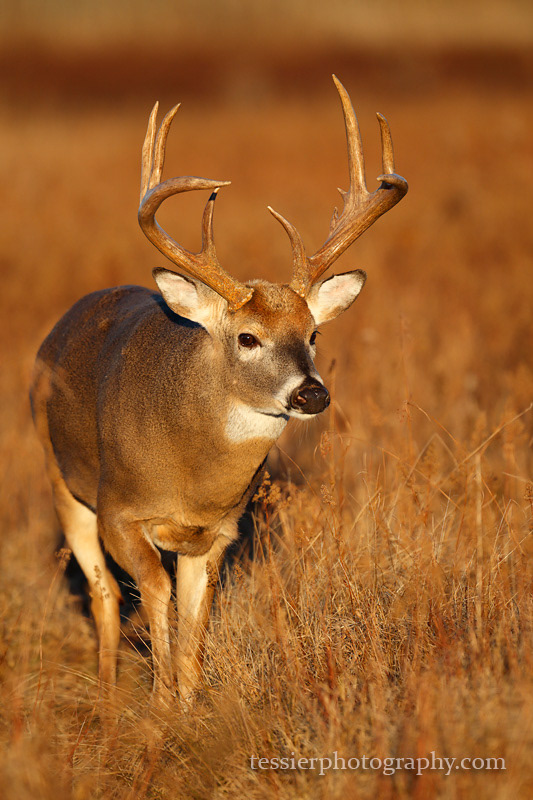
(381, 602)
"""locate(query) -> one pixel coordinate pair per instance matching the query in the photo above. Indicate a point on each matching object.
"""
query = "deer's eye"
(312, 340)
(248, 340)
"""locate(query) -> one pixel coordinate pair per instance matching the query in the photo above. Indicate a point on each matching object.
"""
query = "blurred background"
(449, 286)
(103, 52)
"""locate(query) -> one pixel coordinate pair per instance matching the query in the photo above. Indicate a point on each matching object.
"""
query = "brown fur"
(132, 405)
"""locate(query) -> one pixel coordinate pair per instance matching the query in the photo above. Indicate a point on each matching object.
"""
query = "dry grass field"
(379, 602)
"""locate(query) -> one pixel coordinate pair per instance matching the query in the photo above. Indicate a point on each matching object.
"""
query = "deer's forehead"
(276, 308)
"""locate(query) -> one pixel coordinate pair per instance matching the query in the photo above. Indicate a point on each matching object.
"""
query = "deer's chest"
(191, 540)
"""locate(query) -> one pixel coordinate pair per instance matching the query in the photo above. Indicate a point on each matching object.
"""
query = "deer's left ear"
(330, 298)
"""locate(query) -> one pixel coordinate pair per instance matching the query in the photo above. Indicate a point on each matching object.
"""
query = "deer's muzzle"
(311, 397)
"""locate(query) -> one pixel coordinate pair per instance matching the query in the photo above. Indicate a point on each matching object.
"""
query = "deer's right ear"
(186, 297)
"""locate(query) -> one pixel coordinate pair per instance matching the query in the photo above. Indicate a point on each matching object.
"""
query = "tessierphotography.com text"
(387, 766)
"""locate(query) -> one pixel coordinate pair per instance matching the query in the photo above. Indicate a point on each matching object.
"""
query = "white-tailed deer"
(157, 411)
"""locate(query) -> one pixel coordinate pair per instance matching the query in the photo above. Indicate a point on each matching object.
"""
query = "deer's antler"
(361, 208)
(203, 265)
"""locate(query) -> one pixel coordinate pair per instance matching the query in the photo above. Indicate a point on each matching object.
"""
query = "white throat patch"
(245, 422)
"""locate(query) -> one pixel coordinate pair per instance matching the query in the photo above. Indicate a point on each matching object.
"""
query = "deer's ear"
(188, 298)
(330, 298)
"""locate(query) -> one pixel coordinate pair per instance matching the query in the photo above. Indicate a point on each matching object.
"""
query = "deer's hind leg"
(80, 528)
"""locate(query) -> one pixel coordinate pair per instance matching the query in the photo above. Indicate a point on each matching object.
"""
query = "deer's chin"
(292, 412)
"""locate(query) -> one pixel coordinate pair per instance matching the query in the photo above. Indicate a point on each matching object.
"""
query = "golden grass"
(384, 604)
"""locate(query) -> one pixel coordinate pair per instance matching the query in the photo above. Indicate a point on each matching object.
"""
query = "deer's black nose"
(311, 397)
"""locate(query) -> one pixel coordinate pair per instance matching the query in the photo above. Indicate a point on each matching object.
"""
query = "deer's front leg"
(130, 546)
(196, 580)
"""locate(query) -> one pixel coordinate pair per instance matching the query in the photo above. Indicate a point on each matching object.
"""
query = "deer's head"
(266, 332)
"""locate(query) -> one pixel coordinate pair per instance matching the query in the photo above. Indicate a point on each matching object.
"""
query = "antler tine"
(299, 264)
(387, 150)
(160, 147)
(361, 208)
(208, 239)
(203, 265)
(356, 159)
(148, 150)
